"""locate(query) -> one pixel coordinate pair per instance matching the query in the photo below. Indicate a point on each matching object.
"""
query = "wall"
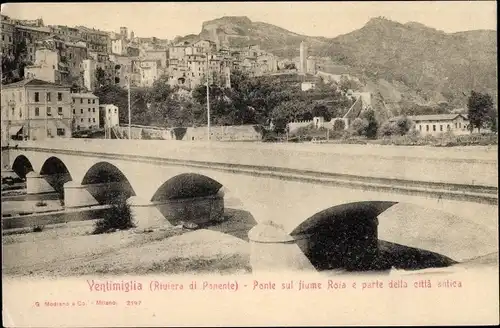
(219, 133)
(224, 133)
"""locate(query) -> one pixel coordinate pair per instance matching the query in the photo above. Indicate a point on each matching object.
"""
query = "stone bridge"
(291, 190)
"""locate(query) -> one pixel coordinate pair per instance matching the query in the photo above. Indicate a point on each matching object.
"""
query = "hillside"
(402, 63)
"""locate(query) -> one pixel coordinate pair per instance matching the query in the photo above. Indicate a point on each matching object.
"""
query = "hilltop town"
(269, 86)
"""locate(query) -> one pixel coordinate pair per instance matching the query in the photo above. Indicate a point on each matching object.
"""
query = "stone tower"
(124, 32)
(303, 58)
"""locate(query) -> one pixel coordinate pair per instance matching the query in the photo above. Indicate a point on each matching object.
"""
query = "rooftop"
(33, 82)
(84, 95)
(436, 117)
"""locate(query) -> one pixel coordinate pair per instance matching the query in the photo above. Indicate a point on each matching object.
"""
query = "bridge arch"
(107, 183)
(22, 166)
(190, 197)
(56, 173)
(380, 235)
(186, 185)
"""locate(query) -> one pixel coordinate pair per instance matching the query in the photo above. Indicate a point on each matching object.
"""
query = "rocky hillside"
(404, 64)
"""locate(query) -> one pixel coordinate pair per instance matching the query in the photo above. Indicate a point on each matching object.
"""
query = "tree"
(338, 125)
(388, 129)
(100, 76)
(403, 125)
(372, 126)
(479, 108)
(359, 125)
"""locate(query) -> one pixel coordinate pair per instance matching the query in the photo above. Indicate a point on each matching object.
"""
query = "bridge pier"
(146, 215)
(77, 195)
(37, 184)
(273, 250)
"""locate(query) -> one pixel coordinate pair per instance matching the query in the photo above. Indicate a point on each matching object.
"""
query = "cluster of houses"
(72, 55)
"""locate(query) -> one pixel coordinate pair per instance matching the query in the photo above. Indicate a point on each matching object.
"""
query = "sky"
(328, 19)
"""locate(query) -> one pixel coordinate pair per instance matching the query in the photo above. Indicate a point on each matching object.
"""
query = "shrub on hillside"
(118, 217)
(339, 125)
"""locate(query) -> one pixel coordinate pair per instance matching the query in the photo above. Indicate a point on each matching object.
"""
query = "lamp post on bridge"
(208, 99)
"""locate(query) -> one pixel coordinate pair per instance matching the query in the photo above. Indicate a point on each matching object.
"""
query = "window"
(37, 97)
(93, 110)
(78, 127)
(420, 127)
(74, 100)
(81, 120)
(81, 110)
(448, 127)
(460, 125)
(59, 110)
(433, 127)
(427, 127)
(60, 132)
(81, 101)
(49, 113)
(89, 101)
(109, 110)
(48, 96)
(440, 127)
(89, 120)
(93, 119)
(89, 110)
(116, 110)
(59, 96)
(73, 111)
(37, 111)
(93, 101)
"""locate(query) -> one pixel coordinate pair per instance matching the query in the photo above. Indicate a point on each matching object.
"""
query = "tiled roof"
(32, 82)
(436, 117)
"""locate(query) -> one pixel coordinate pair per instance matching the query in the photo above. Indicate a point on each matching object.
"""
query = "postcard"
(249, 164)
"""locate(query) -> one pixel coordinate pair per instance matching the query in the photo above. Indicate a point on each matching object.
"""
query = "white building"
(35, 110)
(108, 116)
(85, 108)
(46, 67)
(307, 85)
(119, 46)
(440, 123)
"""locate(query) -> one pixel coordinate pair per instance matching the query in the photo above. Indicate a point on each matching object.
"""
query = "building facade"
(108, 116)
(441, 123)
(89, 74)
(35, 110)
(85, 111)
(7, 38)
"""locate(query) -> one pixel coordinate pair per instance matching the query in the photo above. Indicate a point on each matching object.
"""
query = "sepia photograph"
(249, 163)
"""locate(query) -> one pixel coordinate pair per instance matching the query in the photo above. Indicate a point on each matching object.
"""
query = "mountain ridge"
(415, 63)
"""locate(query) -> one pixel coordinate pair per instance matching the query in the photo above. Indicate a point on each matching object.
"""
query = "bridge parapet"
(465, 166)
